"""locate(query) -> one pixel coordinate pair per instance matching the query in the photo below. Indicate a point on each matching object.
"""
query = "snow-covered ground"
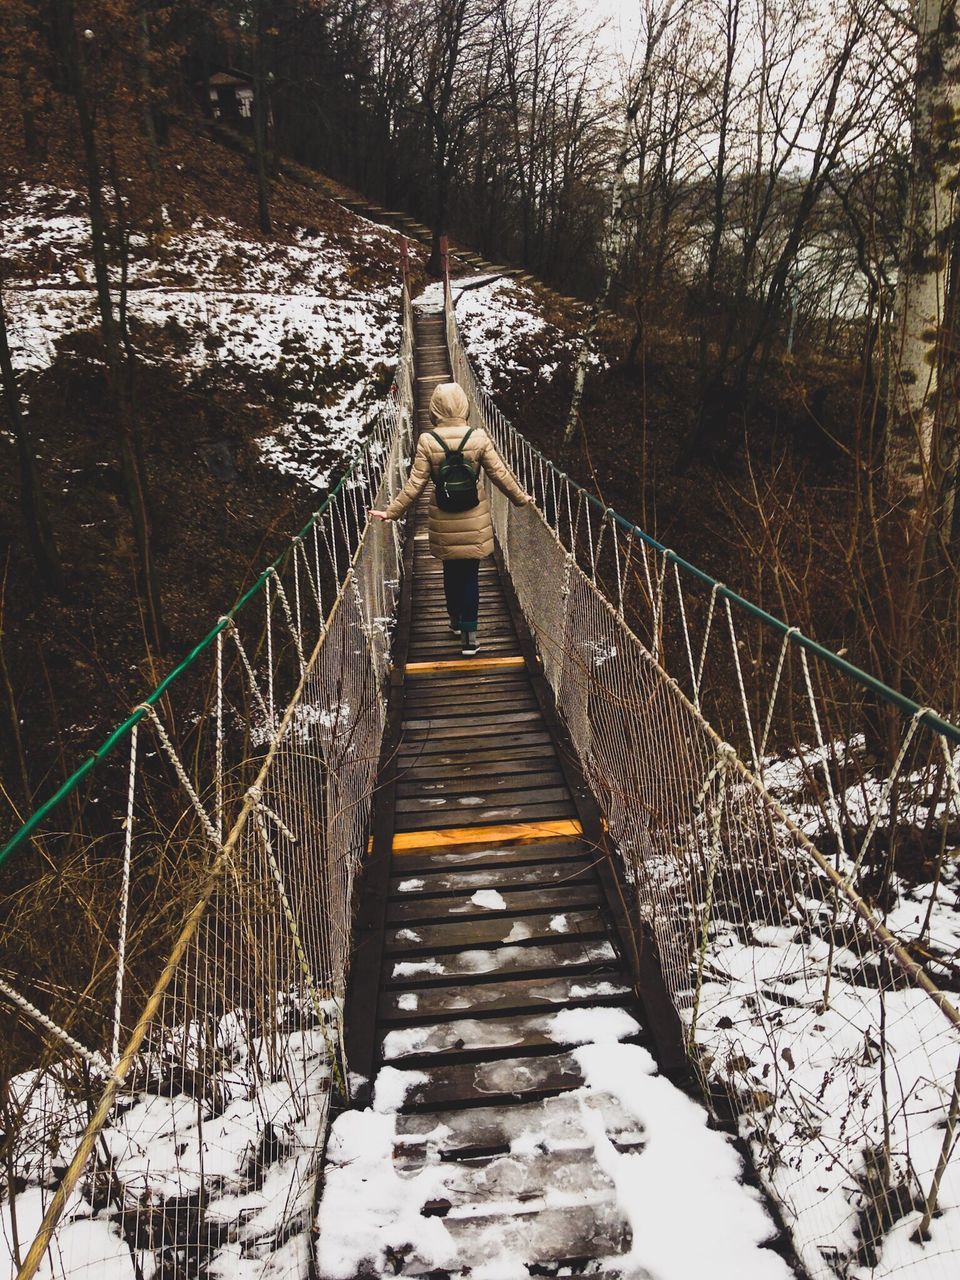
(504, 329)
(299, 316)
(643, 1164)
(222, 1180)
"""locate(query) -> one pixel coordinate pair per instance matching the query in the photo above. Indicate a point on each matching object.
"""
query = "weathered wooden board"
(497, 931)
(494, 783)
(458, 873)
(455, 726)
(443, 860)
(543, 1237)
(585, 955)
(556, 1123)
(510, 1033)
(421, 908)
(518, 747)
(528, 830)
(505, 809)
(479, 998)
(503, 1080)
(488, 773)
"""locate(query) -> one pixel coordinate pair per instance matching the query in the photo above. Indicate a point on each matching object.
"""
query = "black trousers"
(461, 586)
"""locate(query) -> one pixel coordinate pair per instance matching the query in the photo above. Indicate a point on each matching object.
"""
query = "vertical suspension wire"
(686, 630)
(124, 897)
(296, 591)
(777, 678)
(658, 606)
(218, 745)
(717, 586)
(744, 705)
(593, 561)
(268, 598)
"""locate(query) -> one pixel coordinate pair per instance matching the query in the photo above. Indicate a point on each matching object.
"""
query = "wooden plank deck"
(485, 915)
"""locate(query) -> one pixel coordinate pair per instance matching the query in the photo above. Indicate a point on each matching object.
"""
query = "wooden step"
(557, 1122)
(514, 1033)
(501, 963)
(455, 935)
(422, 909)
(482, 998)
(488, 1082)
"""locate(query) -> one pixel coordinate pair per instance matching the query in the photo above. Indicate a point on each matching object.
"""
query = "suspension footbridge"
(353, 975)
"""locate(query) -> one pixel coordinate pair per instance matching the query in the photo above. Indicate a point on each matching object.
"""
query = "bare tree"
(452, 39)
(921, 442)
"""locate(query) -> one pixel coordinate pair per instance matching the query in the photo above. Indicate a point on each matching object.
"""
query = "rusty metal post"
(405, 261)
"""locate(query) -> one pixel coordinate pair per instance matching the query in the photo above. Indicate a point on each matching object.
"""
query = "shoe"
(454, 628)
(469, 645)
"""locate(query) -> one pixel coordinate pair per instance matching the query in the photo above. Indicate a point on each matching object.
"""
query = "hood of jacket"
(449, 401)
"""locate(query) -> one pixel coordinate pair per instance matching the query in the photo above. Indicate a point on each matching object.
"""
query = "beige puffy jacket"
(456, 535)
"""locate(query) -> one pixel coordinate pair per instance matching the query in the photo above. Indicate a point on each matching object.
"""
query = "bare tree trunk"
(922, 406)
(33, 504)
(657, 24)
(260, 125)
(119, 371)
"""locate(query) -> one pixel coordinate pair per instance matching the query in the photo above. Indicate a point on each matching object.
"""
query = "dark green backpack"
(456, 480)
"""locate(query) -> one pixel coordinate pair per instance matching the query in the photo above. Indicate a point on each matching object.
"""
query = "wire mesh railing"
(173, 1041)
(809, 947)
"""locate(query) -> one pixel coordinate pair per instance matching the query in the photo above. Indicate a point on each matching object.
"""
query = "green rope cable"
(27, 829)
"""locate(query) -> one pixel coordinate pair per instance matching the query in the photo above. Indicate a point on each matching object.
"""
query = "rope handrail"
(793, 635)
(117, 735)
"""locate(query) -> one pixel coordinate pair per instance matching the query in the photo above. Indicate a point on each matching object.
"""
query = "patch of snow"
(490, 899)
(592, 1026)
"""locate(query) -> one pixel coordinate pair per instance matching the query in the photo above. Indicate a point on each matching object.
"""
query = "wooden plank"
(452, 701)
(542, 770)
(455, 700)
(501, 963)
(511, 1033)
(479, 728)
(509, 833)
(435, 819)
(482, 718)
(419, 907)
(544, 1238)
(451, 935)
(463, 664)
(516, 745)
(447, 648)
(486, 1082)
(480, 998)
(556, 1121)
(444, 861)
(468, 801)
(491, 788)
(464, 879)
(509, 1183)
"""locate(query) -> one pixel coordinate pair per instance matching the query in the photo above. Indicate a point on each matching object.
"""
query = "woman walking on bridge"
(460, 539)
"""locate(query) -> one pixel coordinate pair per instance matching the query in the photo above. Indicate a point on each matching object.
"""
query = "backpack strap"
(465, 439)
(441, 442)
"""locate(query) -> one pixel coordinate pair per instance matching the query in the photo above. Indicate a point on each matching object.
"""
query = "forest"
(704, 256)
(751, 210)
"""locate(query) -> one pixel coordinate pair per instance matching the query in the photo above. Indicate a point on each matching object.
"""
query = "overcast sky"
(623, 20)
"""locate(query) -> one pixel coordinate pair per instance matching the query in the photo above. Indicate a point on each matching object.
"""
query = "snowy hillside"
(306, 322)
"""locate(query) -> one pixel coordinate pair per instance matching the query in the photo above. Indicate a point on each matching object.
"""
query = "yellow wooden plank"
(461, 664)
(512, 833)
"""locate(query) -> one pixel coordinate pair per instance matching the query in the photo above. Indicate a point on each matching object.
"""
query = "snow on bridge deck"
(516, 1118)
